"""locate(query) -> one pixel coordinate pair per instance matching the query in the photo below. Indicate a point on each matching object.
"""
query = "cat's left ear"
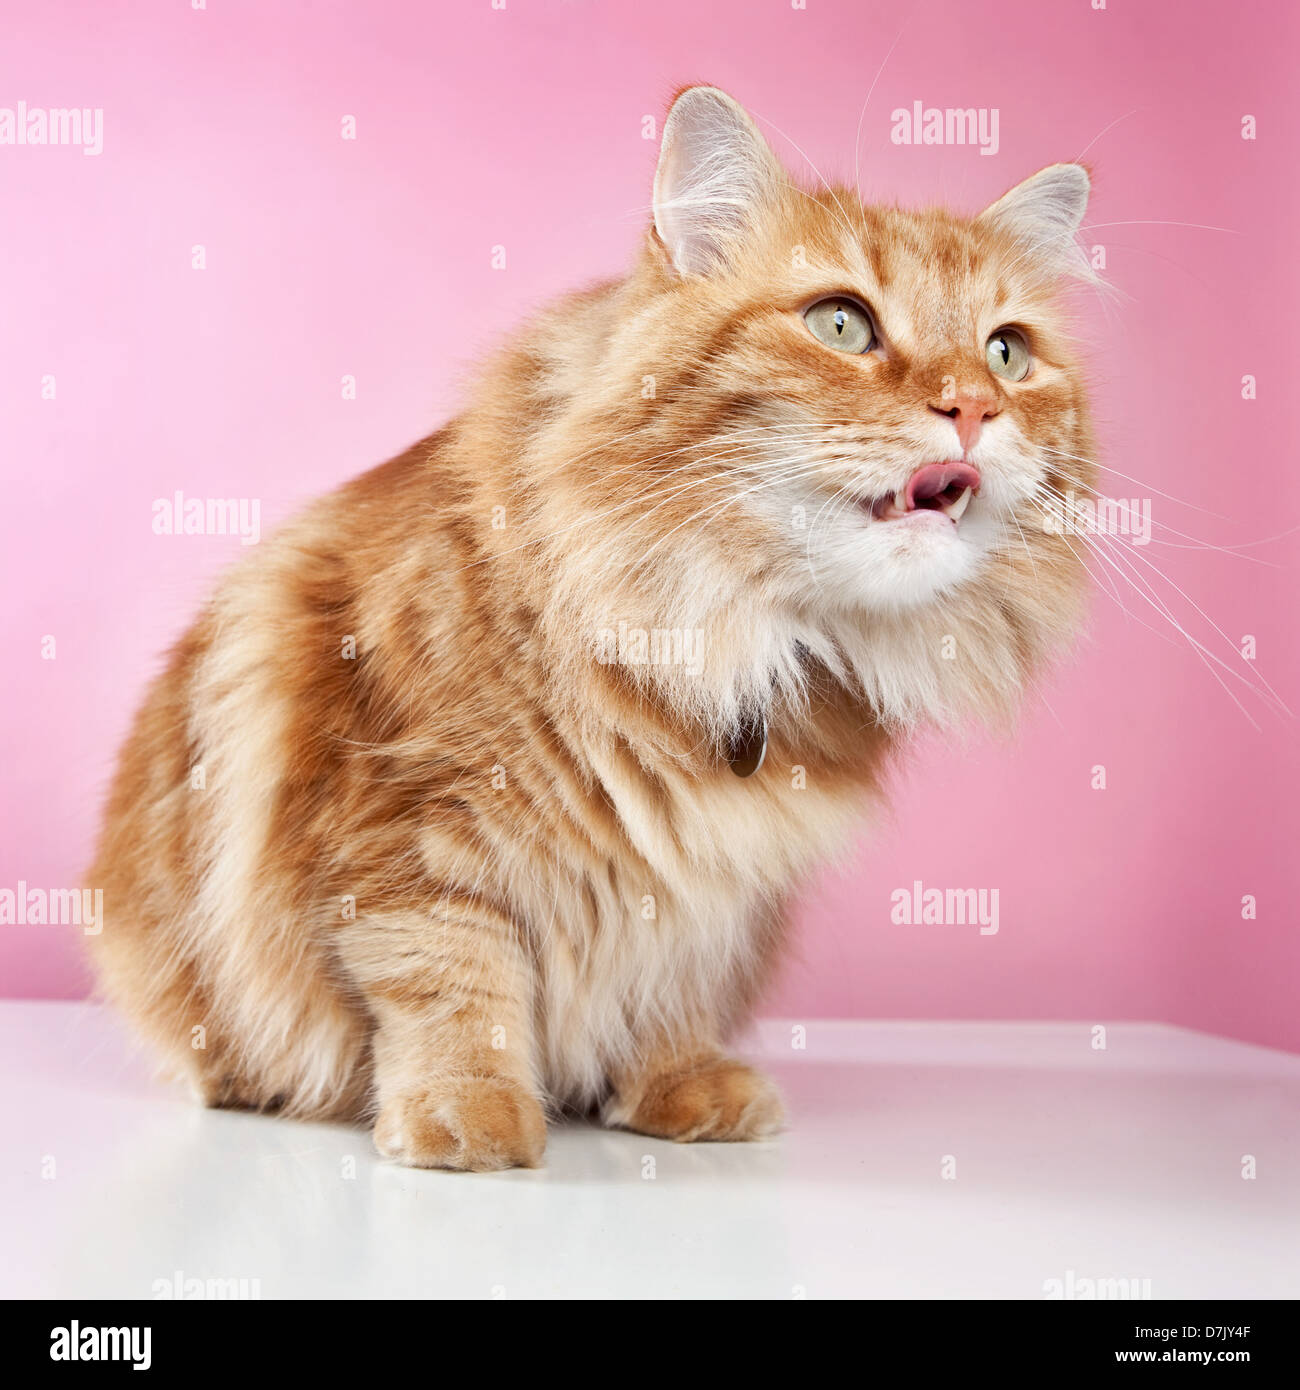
(715, 176)
(1044, 214)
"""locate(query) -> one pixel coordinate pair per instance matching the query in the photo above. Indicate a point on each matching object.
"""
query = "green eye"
(1008, 355)
(841, 324)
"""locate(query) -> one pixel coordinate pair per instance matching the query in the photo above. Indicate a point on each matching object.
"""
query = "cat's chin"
(904, 564)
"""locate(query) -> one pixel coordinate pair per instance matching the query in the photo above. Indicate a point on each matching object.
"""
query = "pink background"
(523, 127)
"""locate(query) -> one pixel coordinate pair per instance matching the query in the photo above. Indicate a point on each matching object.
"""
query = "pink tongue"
(928, 482)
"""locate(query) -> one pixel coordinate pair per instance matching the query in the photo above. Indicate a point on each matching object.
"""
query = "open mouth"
(943, 488)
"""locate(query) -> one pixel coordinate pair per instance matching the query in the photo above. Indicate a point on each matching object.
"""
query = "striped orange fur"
(430, 820)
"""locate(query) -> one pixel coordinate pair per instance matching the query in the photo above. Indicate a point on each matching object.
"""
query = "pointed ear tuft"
(1043, 213)
(715, 174)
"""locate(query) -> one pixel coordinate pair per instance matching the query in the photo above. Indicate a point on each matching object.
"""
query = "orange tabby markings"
(431, 816)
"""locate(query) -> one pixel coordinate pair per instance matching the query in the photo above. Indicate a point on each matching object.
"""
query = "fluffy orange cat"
(478, 791)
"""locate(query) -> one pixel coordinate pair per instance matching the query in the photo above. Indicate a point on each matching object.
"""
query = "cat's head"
(849, 420)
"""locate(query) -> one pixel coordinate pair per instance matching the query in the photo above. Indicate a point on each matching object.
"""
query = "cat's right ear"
(715, 175)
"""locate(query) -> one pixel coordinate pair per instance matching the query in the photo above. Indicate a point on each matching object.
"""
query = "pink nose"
(968, 413)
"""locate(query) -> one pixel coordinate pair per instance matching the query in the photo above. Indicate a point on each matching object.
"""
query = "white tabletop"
(1069, 1164)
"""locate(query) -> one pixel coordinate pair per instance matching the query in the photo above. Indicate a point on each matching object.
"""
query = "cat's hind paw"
(711, 1098)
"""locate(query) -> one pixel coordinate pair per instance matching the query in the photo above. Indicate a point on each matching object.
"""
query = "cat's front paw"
(713, 1098)
(477, 1123)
